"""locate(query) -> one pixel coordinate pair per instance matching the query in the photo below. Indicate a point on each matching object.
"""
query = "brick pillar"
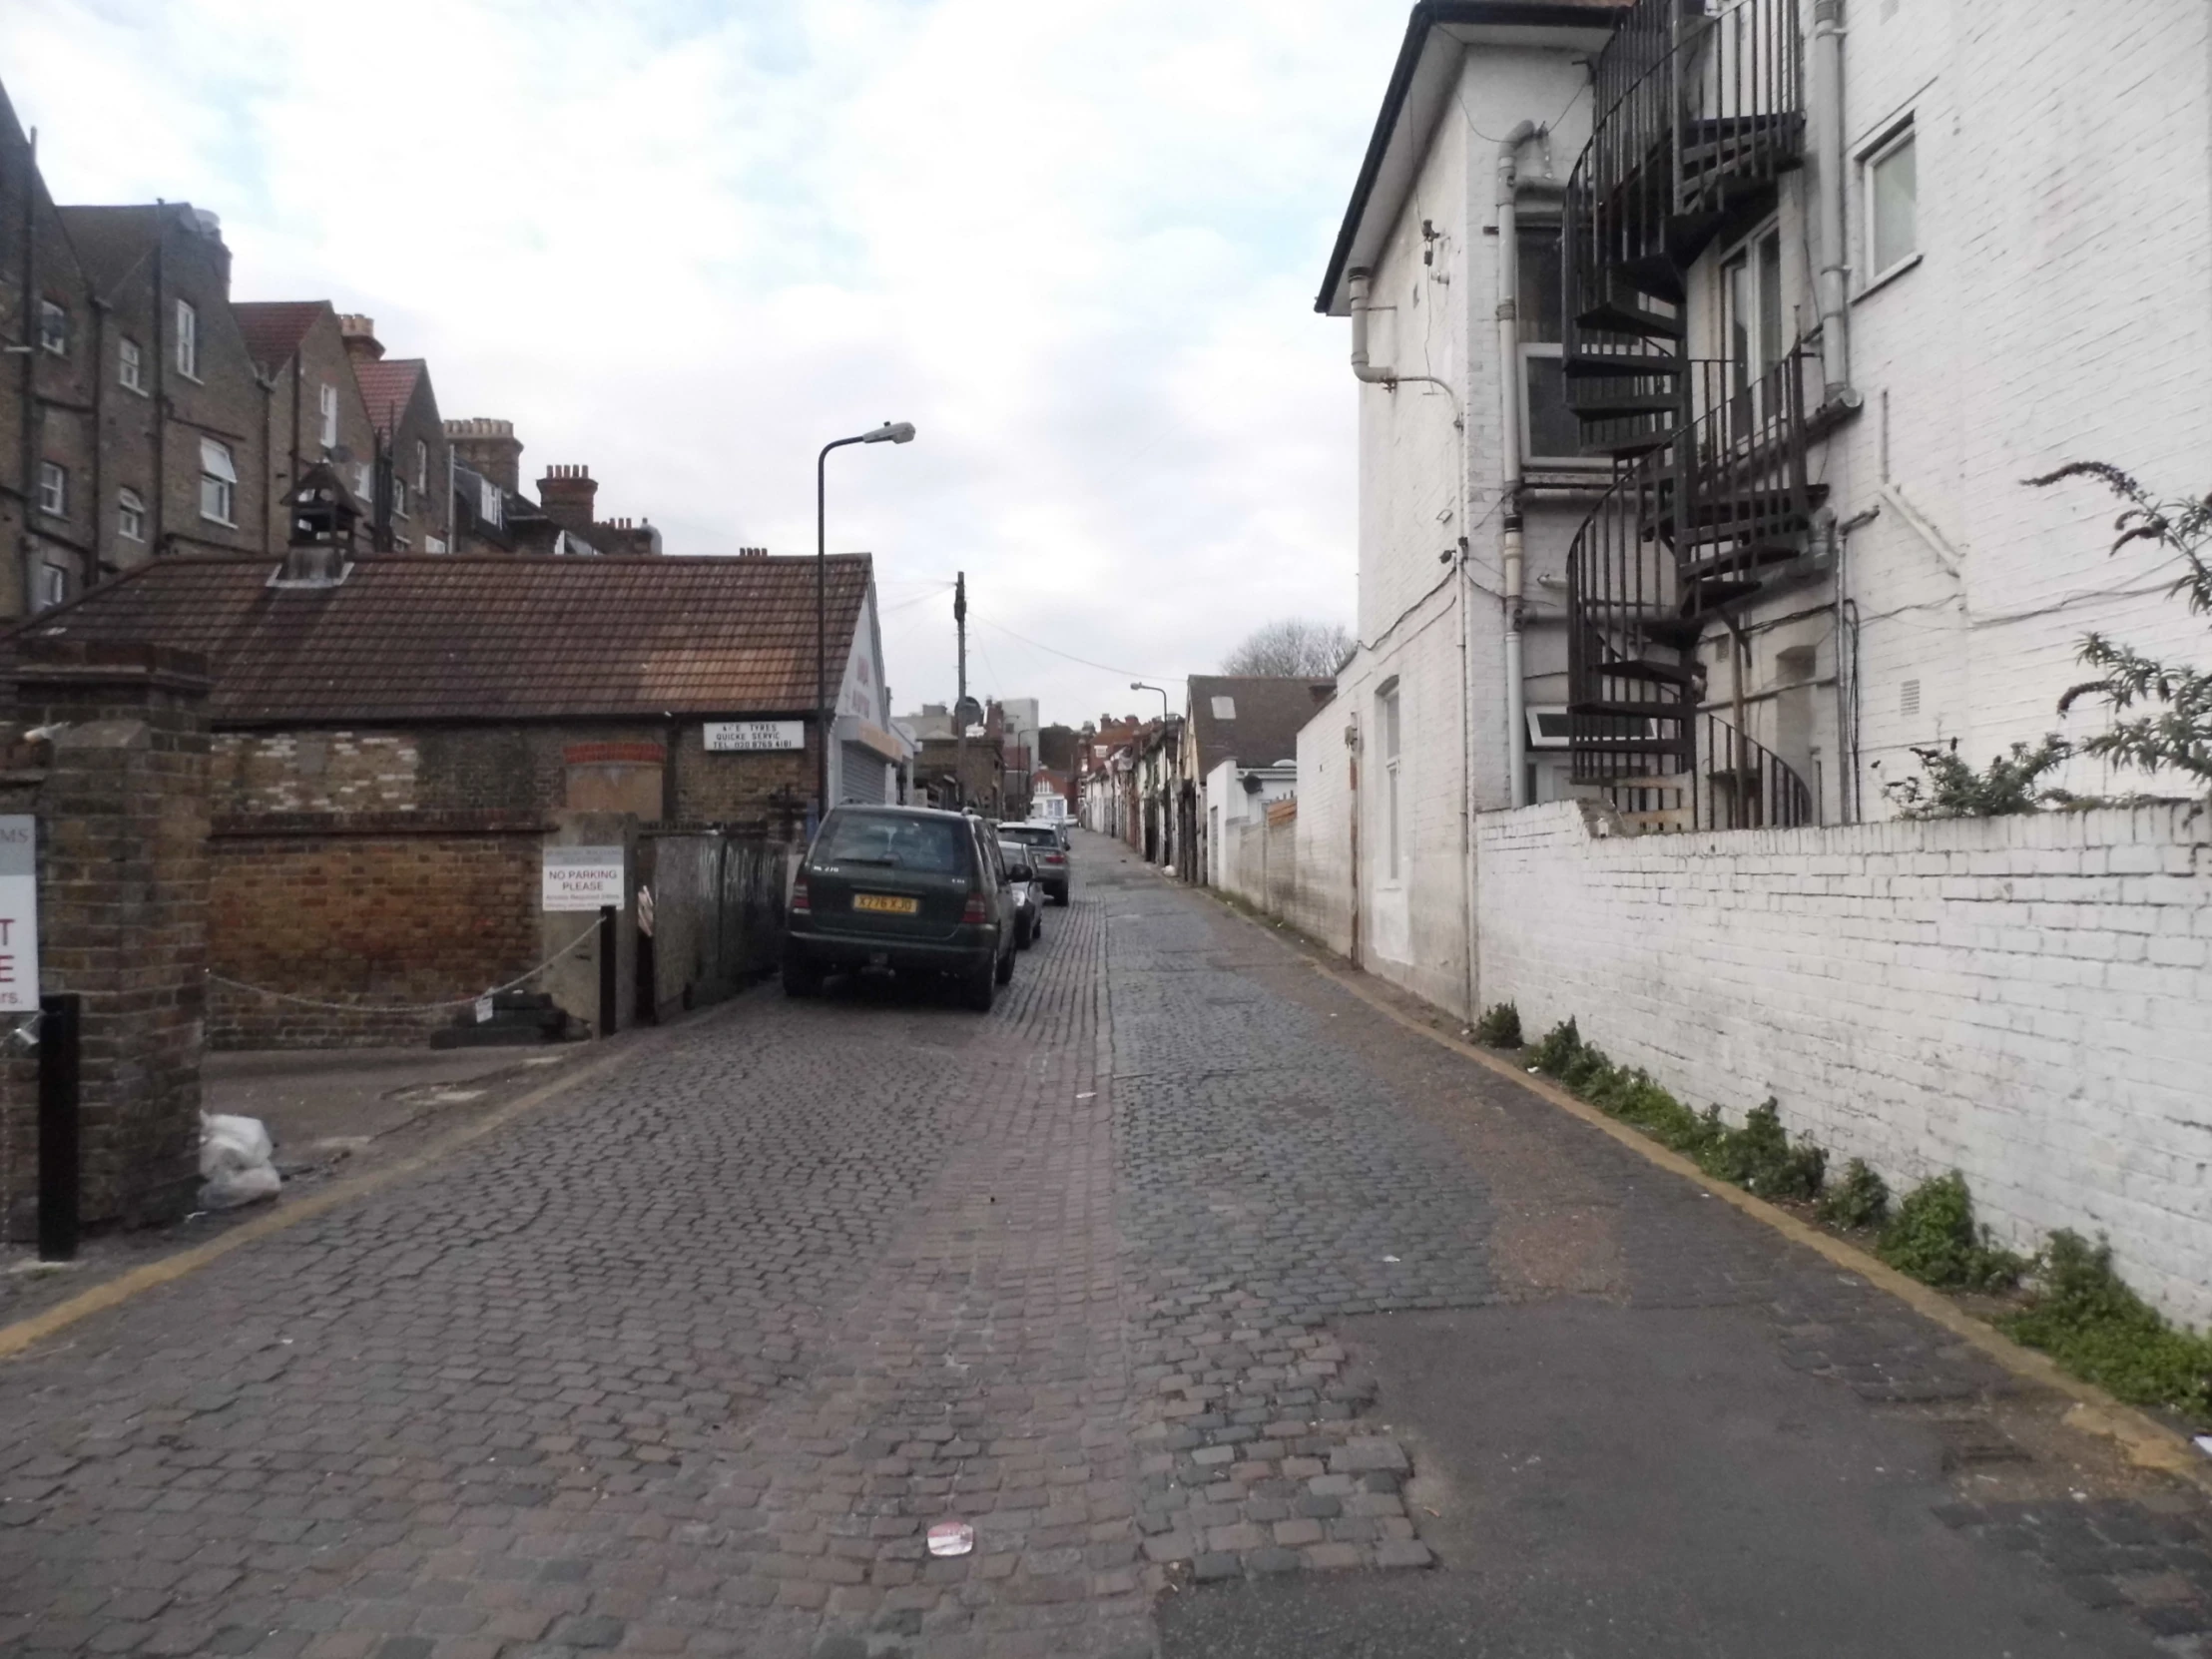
(112, 757)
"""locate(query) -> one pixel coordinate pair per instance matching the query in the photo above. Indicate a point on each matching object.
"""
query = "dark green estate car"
(904, 890)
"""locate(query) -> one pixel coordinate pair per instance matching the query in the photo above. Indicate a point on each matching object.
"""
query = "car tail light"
(974, 915)
(801, 906)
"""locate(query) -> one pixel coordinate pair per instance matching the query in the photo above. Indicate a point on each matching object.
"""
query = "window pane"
(1894, 181)
(1540, 300)
(1770, 302)
(1553, 432)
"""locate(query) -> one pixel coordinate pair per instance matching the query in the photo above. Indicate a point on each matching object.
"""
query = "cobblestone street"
(1233, 1316)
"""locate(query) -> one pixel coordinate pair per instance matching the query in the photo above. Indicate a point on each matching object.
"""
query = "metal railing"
(1685, 533)
(1697, 115)
(1740, 785)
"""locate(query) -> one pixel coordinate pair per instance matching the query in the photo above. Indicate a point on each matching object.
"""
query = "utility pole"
(959, 703)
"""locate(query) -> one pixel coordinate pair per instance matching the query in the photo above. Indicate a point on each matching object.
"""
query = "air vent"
(1908, 699)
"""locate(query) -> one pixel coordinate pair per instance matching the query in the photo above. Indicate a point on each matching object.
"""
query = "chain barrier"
(407, 1008)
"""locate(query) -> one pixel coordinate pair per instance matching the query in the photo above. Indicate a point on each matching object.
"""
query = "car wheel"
(978, 991)
(1005, 973)
(1060, 897)
(1036, 929)
(800, 978)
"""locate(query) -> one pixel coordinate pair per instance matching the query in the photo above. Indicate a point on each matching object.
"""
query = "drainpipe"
(27, 577)
(1509, 445)
(1364, 371)
(1828, 149)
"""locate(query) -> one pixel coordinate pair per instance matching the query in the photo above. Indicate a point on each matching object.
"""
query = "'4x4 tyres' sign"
(582, 879)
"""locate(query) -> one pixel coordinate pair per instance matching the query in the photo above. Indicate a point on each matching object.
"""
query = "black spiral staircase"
(1699, 117)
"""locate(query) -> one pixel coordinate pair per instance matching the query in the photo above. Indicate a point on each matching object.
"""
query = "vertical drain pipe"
(1509, 442)
(1828, 150)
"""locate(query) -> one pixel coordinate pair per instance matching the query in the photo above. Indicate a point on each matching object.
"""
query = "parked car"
(1051, 856)
(1028, 894)
(904, 889)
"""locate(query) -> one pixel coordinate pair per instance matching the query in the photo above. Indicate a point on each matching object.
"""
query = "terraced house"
(1701, 349)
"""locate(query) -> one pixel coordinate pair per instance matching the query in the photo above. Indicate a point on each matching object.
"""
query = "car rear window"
(1016, 854)
(931, 846)
(1042, 836)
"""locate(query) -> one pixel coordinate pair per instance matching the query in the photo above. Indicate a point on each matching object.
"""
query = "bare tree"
(1292, 648)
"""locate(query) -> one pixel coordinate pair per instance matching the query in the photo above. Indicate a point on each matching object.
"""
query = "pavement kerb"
(26, 1333)
(2147, 1442)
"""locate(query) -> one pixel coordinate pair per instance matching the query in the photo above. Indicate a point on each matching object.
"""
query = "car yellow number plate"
(890, 904)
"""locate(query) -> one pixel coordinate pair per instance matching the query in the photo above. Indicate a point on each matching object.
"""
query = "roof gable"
(275, 328)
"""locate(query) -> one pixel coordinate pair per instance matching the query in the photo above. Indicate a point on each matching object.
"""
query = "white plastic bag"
(236, 1162)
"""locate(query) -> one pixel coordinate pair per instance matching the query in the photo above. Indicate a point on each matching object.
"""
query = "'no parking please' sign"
(18, 914)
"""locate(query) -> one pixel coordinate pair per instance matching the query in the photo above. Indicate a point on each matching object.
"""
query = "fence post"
(609, 955)
(60, 1179)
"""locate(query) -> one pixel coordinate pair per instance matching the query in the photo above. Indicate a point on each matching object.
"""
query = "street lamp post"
(1139, 684)
(892, 431)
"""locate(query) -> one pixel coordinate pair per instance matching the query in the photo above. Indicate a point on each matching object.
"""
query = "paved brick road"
(687, 1361)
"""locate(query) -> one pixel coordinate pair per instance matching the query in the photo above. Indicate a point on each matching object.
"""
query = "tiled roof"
(419, 637)
(274, 328)
(1265, 716)
(387, 386)
(111, 240)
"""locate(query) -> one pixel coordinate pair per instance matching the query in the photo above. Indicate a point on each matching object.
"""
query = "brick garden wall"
(2025, 999)
(514, 769)
(365, 909)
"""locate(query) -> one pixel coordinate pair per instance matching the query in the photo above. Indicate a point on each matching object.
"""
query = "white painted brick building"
(2049, 299)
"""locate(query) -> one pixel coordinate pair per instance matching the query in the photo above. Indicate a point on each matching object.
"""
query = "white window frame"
(53, 490)
(218, 484)
(328, 399)
(1900, 136)
(1390, 711)
(421, 467)
(188, 339)
(130, 515)
(52, 586)
(53, 328)
(1530, 350)
(398, 496)
(130, 365)
(1747, 258)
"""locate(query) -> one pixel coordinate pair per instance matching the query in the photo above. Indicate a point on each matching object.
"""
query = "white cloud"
(689, 242)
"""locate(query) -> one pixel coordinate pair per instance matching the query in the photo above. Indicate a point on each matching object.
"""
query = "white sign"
(582, 878)
(726, 735)
(483, 1009)
(18, 914)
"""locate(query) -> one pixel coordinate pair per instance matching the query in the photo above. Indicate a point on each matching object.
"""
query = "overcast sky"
(1075, 241)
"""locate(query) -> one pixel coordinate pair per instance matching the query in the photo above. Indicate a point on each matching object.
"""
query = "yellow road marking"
(23, 1335)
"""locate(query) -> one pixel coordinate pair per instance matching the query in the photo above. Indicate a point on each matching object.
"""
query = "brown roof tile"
(274, 328)
(419, 637)
(386, 384)
(1267, 715)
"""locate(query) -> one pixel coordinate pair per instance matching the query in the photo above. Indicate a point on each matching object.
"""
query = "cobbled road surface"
(1232, 1316)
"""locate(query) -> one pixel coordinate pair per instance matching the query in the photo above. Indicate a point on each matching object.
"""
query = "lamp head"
(892, 431)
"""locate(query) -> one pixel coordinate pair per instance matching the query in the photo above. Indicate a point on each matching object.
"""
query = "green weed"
(1933, 1238)
(2084, 1316)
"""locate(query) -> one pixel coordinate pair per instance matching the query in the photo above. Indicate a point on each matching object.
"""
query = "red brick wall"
(364, 909)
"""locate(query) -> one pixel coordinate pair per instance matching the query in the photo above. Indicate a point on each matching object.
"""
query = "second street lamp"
(892, 431)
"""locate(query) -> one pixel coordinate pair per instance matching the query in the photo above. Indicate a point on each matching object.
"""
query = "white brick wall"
(2025, 1000)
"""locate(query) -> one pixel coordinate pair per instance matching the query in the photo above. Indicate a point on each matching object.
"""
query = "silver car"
(1027, 894)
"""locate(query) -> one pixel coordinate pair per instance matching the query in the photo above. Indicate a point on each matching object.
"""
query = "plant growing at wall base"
(1933, 1238)
(2087, 1320)
(1559, 1045)
(1950, 788)
(1499, 1026)
(1760, 1158)
(1859, 1198)
(2174, 730)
